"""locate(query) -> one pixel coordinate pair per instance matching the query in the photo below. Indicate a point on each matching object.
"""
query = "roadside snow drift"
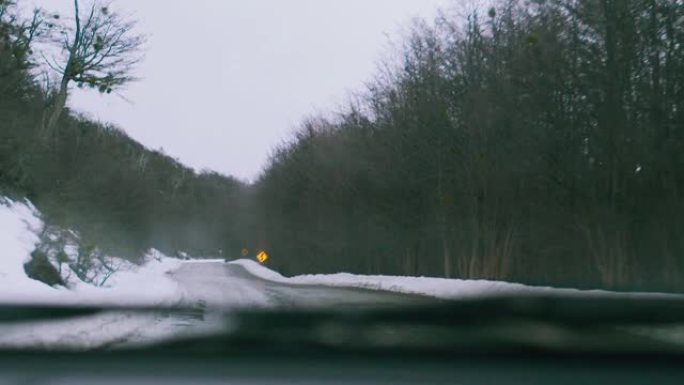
(146, 285)
(135, 285)
(432, 287)
(19, 225)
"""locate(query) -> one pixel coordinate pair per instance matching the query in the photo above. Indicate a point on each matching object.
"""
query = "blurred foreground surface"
(516, 340)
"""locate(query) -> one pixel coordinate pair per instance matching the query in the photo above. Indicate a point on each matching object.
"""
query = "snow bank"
(20, 224)
(146, 285)
(262, 271)
(433, 287)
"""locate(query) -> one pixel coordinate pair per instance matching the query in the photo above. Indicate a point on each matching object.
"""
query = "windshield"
(421, 175)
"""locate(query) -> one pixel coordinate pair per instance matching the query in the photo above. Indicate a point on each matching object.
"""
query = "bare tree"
(18, 35)
(100, 51)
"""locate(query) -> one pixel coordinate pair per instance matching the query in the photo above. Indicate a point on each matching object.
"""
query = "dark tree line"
(537, 141)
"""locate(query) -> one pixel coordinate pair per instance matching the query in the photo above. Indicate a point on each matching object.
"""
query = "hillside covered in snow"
(22, 229)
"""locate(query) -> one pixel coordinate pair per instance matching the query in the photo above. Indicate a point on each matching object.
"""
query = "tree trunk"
(57, 106)
(447, 257)
(67, 76)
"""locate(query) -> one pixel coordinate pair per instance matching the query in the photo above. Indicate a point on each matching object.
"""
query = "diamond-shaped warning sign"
(262, 257)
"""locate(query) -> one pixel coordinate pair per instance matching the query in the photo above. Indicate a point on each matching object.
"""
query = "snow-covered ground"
(152, 284)
(164, 281)
(147, 285)
(19, 225)
(432, 287)
(134, 285)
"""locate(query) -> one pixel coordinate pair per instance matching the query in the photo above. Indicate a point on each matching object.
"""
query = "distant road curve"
(229, 285)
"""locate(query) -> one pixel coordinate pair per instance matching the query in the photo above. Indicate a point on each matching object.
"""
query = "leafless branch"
(99, 50)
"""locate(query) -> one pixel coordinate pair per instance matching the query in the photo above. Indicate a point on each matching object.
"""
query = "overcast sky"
(225, 81)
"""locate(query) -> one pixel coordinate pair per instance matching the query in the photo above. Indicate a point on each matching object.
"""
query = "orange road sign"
(262, 257)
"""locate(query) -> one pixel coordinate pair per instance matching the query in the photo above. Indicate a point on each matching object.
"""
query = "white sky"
(225, 81)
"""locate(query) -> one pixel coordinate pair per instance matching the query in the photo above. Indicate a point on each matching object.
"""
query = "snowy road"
(207, 289)
(229, 285)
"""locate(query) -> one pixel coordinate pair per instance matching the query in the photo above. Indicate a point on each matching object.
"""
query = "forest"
(531, 141)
